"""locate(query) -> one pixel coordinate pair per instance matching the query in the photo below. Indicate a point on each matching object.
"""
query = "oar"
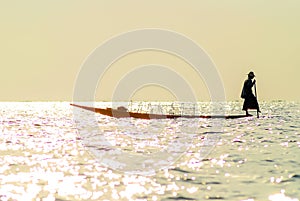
(256, 98)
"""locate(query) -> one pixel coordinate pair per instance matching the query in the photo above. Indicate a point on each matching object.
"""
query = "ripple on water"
(42, 156)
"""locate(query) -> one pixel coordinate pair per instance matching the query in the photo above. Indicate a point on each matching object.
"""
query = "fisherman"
(250, 101)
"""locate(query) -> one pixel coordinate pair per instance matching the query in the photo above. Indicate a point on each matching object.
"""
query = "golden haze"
(43, 44)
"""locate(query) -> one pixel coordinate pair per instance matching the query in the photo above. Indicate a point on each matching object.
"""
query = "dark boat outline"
(125, 114)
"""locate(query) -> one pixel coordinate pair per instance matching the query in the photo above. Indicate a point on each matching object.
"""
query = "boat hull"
(124, 114)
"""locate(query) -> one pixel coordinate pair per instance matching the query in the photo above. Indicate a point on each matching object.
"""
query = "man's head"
(251, 75)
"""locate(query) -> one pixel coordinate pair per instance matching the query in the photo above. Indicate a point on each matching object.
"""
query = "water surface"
(42, 156)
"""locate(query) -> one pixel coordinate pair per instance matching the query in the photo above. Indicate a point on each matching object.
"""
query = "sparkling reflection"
(42, 158)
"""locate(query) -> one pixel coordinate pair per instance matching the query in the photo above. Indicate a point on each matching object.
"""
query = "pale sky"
(43, 44)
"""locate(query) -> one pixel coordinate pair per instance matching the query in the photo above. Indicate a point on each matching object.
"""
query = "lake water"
(44, 155)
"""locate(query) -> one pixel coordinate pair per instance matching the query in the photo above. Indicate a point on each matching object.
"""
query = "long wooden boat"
(119, 113)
